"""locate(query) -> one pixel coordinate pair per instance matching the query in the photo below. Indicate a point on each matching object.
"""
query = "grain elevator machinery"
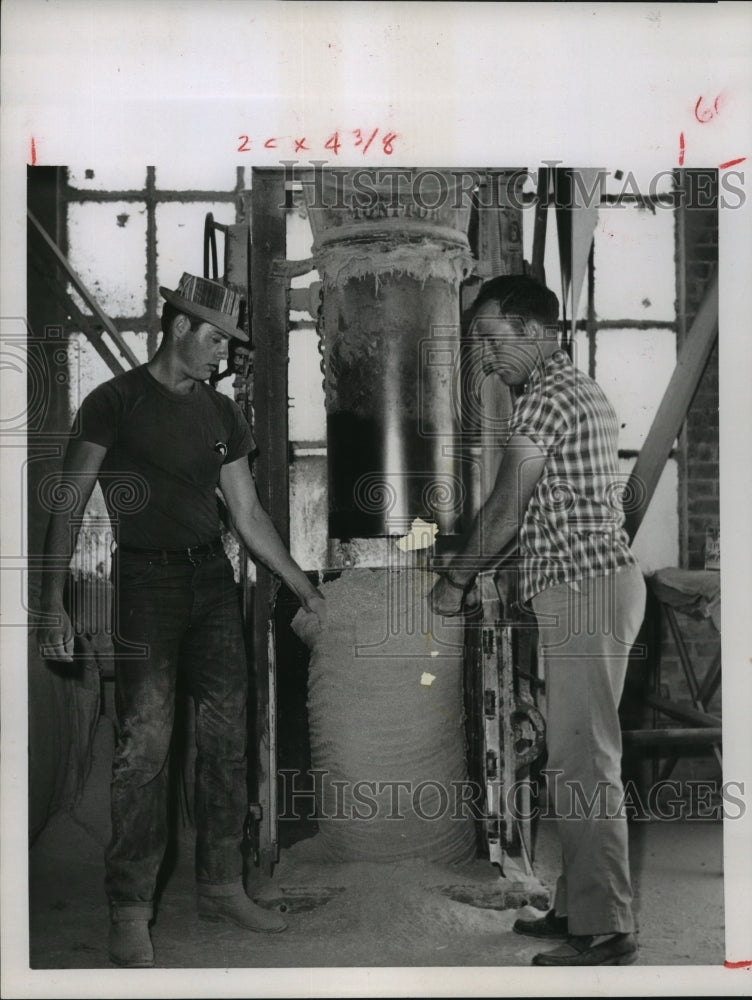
(399, 255)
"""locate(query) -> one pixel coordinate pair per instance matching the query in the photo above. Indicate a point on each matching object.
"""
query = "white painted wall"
(634, 281)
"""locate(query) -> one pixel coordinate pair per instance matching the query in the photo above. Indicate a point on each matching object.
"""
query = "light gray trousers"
(586, 632)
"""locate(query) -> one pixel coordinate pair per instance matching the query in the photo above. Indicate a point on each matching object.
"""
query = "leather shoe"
(617, 949)
(130, 944)
(550, 926)
(240, 910)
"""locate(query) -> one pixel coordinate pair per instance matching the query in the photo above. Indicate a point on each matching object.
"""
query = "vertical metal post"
(270, 339)
(152, 299)
(537, 267)
(680, 257)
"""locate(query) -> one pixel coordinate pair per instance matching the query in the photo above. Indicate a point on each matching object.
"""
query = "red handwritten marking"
(738, 965)
(731, 163)
(703, 117)
(706, 114)
(333, 144)
(370, 140)
(33, 152)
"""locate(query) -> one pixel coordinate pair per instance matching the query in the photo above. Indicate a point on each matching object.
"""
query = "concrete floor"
(373, 915)
(366, 915)
(409, 916)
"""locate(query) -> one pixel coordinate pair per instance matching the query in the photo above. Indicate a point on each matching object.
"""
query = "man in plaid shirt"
(558, 493)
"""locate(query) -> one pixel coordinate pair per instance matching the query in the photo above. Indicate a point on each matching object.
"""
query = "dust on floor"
(410, 914)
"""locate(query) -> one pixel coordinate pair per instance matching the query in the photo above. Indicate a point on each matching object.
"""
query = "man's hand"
(447, 600)
(261, 538)
(55, 642)
(315, 603)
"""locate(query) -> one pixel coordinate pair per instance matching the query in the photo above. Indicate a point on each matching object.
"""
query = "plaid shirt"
(573, 526)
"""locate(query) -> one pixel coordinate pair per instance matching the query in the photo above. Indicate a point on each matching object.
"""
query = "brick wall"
(696, 256)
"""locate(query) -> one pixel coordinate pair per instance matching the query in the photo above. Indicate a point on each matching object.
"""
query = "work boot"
(130, 944)
(231, 905)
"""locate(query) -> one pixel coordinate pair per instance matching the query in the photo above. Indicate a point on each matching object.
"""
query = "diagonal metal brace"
(85, 294)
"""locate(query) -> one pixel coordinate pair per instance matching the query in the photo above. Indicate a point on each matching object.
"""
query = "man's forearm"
(59, 546)
(496, 525)
(489, 535)
(77, 480)
(263, 541)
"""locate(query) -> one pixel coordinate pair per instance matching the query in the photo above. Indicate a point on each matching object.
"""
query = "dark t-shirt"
(165, 451)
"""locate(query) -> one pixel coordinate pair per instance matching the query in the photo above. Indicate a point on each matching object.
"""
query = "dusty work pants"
(586, 632)
(176, 617)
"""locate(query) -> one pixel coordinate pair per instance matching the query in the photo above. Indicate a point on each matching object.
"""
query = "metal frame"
(269, 331)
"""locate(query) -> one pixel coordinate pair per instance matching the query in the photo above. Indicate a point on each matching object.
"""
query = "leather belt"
(195, 554)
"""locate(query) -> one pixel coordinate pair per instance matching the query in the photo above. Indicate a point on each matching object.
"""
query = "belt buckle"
(190, 550)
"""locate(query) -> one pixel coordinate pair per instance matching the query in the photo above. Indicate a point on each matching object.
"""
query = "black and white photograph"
(370, 500)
